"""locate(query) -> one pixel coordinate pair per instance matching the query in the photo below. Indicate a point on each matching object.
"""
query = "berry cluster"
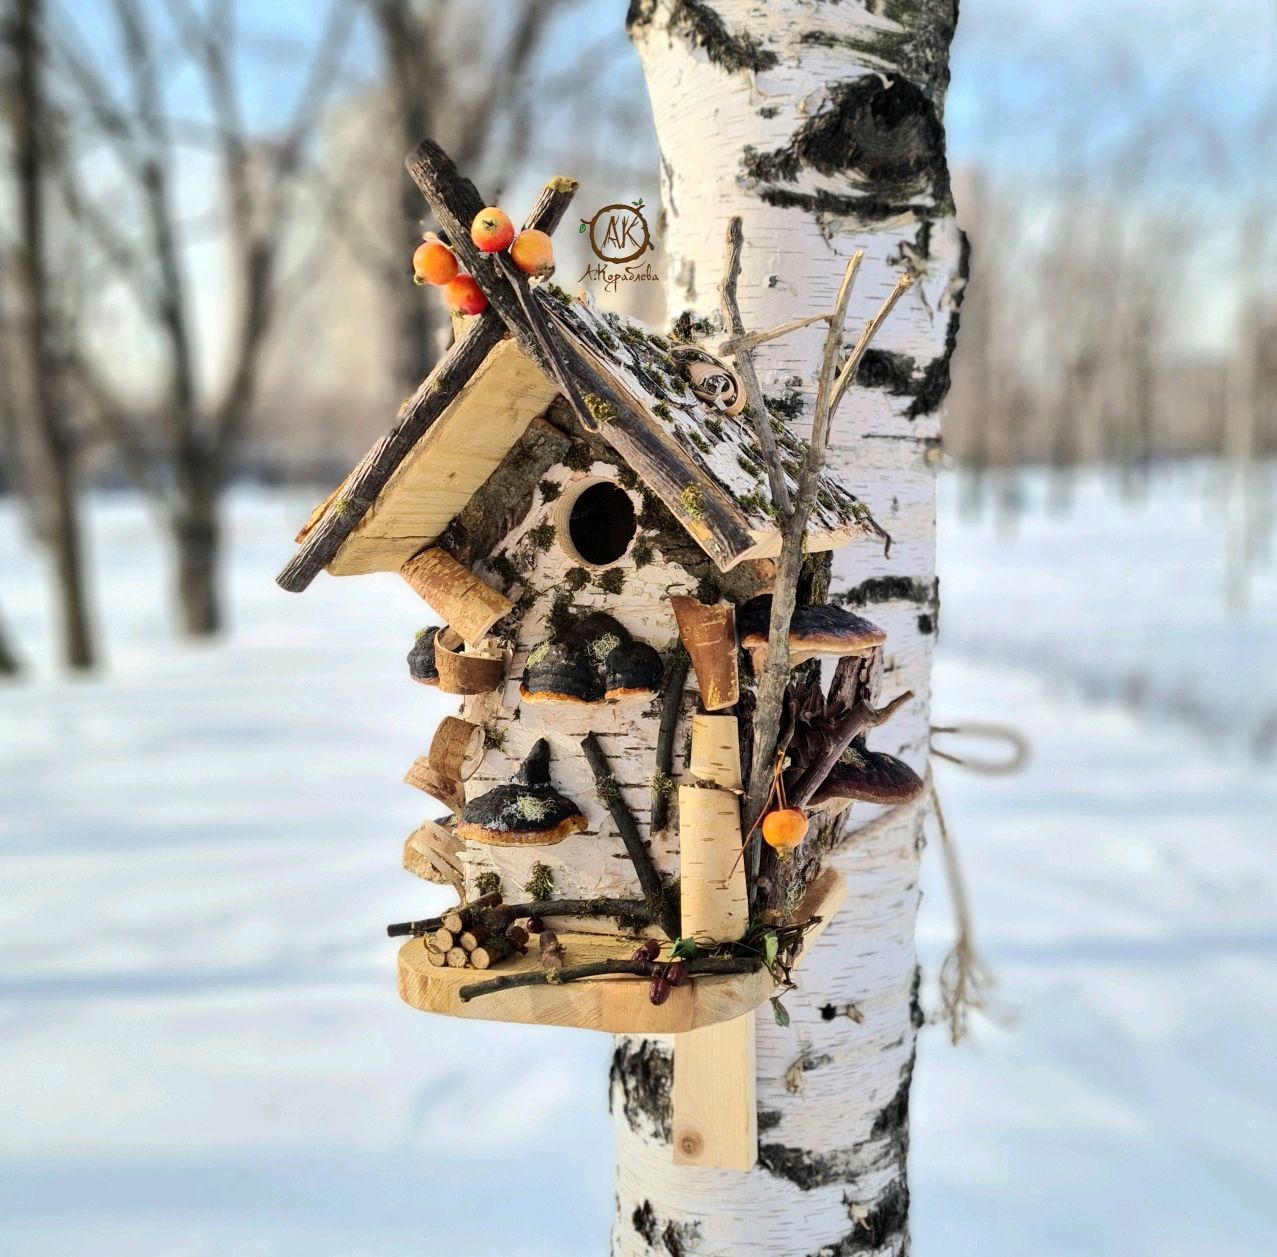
(492, 232)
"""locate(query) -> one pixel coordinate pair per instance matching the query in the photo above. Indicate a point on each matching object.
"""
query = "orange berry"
(464, 296)
(492, 230)
(435, 263)
(785, 828)
(533, 253)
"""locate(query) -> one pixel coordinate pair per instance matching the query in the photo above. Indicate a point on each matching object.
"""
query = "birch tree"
(821, 126)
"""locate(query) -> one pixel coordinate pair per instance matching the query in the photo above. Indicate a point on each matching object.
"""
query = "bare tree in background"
(184, 454)
(45, 430)
(435, 88)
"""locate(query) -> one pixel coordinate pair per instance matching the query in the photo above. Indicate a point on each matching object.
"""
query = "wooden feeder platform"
(616, 1004)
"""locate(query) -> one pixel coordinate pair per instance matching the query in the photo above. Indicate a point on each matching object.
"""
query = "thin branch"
(862, 717)
(671, 706)
(847, 376)
(628, 909)
(710, 966)
(733, 346)
(754, 400)
(636, 847)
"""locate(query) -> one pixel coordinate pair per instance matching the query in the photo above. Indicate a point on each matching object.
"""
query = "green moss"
(575, 578)
(608, 339)
(607, 789)
(662, 783)
(601, 411)
(612, 581)
(538, 652)
(493, 738)
(659, 341)
(488, 883)
(662, 411)
(549, 490)
(699, 441)
(626, 478)
(708, 591)
(642, 553)
(693, 501)
(560, 615)
(714, 426)
(540, 883)
(579, 457)
(542, 536)
(557, 293)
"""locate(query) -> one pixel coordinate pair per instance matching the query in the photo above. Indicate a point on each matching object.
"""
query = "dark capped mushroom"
(632, 670)
(813, 630)
(570, 668)
(869, 776)
(560, 672)
(421, 658)
(527, 812)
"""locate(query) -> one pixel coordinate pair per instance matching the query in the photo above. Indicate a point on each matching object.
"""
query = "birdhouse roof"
(704, 464)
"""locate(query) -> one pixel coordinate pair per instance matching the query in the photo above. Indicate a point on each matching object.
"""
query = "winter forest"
(1041, 1020)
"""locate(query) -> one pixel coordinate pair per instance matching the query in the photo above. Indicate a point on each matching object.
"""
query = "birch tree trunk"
(821, 125)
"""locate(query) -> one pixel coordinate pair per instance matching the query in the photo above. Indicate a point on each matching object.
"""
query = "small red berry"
(464, 296)
(658, 990)
(676, 972)
(492, 230)
(435, 263)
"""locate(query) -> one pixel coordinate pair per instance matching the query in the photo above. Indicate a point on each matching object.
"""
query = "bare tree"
(47, 431)
(432, 53)
(184, 453)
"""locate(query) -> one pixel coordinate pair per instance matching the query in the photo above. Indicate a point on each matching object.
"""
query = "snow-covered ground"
(201, 1051)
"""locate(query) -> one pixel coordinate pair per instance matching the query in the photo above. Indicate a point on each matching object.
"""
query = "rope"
(1017, 743)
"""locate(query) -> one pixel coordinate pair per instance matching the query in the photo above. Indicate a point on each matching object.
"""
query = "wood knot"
(690, 1144)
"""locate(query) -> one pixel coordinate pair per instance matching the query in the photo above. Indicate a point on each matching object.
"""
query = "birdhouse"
(584, 507)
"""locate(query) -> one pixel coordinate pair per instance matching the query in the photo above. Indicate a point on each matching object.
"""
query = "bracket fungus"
(870, 777)
(813, 631)
(593, 660)
(527, 812)
(421, 658)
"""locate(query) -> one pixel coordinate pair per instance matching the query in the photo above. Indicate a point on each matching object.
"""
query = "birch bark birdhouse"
(578, 516)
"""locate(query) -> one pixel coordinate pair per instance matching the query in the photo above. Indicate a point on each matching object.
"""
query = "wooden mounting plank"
(715, 1122)
(616, 1005)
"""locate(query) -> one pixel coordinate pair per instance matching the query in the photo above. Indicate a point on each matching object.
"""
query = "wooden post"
(715, 1121)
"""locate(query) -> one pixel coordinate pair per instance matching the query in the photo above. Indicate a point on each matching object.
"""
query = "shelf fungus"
(421, 658)
(813, 631)
(632, 670)
(527, 812)
(868, 777)
(593, 660)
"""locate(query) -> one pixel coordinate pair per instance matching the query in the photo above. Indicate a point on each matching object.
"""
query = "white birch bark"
(819, 123)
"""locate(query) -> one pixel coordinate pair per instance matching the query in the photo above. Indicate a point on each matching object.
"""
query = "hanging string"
(1013, 739)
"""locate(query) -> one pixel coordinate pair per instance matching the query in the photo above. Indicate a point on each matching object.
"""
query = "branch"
(847, 376)
(640, 856)
(749, 341)
(671, 705)
(775, 679)
(754, 400)
(708, 967)
(862, 717)
(630, 909)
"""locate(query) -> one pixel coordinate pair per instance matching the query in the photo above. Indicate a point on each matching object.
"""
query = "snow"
(200, 1044)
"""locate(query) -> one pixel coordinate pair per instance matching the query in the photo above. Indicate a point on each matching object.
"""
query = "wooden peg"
(715, 1101)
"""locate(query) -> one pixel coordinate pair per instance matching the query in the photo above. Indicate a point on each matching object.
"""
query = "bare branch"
(754, 400)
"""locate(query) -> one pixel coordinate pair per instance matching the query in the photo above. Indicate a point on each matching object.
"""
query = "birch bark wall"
(819, 122)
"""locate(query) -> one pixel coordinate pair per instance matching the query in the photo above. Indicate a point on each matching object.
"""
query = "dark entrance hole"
(601, 524)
